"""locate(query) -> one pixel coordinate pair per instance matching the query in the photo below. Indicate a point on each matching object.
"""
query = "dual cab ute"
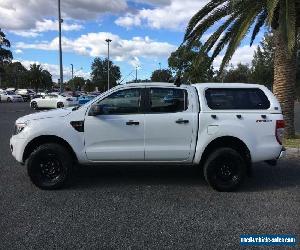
(222, 128)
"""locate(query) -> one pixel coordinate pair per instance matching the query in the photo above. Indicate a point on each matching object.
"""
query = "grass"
(292, 143)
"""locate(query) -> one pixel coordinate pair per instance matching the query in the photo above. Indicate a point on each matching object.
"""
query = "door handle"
(130, 123)
(181, 121)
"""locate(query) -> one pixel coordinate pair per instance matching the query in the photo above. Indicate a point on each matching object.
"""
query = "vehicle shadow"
(264, 177)
(285, 175)
(88, 176)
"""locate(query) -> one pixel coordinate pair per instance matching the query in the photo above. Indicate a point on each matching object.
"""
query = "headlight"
(19, 127)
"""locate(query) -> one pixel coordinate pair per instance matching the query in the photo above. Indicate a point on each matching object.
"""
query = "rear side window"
(234, 98)
(167, 100)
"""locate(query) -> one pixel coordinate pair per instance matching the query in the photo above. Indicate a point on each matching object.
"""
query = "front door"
(117, 134)
(169, 125)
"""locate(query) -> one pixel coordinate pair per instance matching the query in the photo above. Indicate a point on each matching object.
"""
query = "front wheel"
(9, 100)
(225, 169)
(34, 105)
(50, 166)
(60, 105)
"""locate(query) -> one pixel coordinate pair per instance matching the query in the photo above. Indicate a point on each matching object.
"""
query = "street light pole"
(72, 66)
(60, 48)
(108, 64)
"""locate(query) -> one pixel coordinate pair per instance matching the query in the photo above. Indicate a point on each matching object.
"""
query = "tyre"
(225, 169)
(9, 100)
(34, 105)
(60, 105)
(50, 166)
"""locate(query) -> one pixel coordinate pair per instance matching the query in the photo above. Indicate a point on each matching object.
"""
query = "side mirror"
(95, 110)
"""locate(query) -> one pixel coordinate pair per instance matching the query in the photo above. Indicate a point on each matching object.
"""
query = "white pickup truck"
(222, 128)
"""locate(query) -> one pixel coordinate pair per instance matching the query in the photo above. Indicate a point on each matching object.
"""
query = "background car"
(27, 94)
(9, 96)
(85, 98)
(53, 101)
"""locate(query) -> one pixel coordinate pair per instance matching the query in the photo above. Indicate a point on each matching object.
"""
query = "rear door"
(169, 125)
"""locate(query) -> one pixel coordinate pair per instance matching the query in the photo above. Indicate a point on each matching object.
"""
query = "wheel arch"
(229, 142)
(40, 140)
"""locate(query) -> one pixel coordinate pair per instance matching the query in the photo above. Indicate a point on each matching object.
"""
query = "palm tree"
(35, 76)
(234, 19)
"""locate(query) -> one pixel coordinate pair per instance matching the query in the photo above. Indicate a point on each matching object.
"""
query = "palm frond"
(201, 14)
(202, 27)
(235, 40)
(259, 23)
(290, 21)
(217, 34)
(271, 8)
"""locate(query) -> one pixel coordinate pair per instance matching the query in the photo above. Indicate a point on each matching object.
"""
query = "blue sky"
(144, 33)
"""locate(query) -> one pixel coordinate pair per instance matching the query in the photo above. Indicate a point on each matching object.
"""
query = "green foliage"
(5, 54)
(89, 86)
(76, 83)
(263, 62)
(17, 76)
(39, 77)
(191, 64)
(236, 18)
(99, 73)
(239, 74)
(14, 74)
(163, 75)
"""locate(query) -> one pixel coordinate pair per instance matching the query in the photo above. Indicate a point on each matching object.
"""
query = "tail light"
(279, 131)
(69, 99)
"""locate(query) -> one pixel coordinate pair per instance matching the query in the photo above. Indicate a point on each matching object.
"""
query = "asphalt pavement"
(141, 207)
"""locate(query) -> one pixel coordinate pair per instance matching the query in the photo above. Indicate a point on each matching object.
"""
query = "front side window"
(234, 98)
(122, 102)
(167, 100)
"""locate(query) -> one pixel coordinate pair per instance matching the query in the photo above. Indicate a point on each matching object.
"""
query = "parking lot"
(142, 207)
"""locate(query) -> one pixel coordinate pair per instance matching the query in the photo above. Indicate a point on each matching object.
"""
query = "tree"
(234, 18)
(14, 75)
(39, 77)
(263, 62)
(5, 54)
(190, 64)
(240, 74)
(99, 73)
(89, 86)
(161, 75)
(76, 83)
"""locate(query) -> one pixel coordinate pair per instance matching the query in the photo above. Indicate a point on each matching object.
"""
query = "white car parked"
(9, 96)
(53, 101)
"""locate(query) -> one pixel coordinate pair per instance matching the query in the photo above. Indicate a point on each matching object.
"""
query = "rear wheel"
(60, 105)
(50, 166)
(225, 169)
(34, 105)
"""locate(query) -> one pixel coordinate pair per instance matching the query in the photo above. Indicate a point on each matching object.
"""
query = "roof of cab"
(197, 85)
(203, 86)
(148, 84)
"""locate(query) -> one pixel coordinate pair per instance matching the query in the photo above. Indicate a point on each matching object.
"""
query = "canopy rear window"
(236, 98)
